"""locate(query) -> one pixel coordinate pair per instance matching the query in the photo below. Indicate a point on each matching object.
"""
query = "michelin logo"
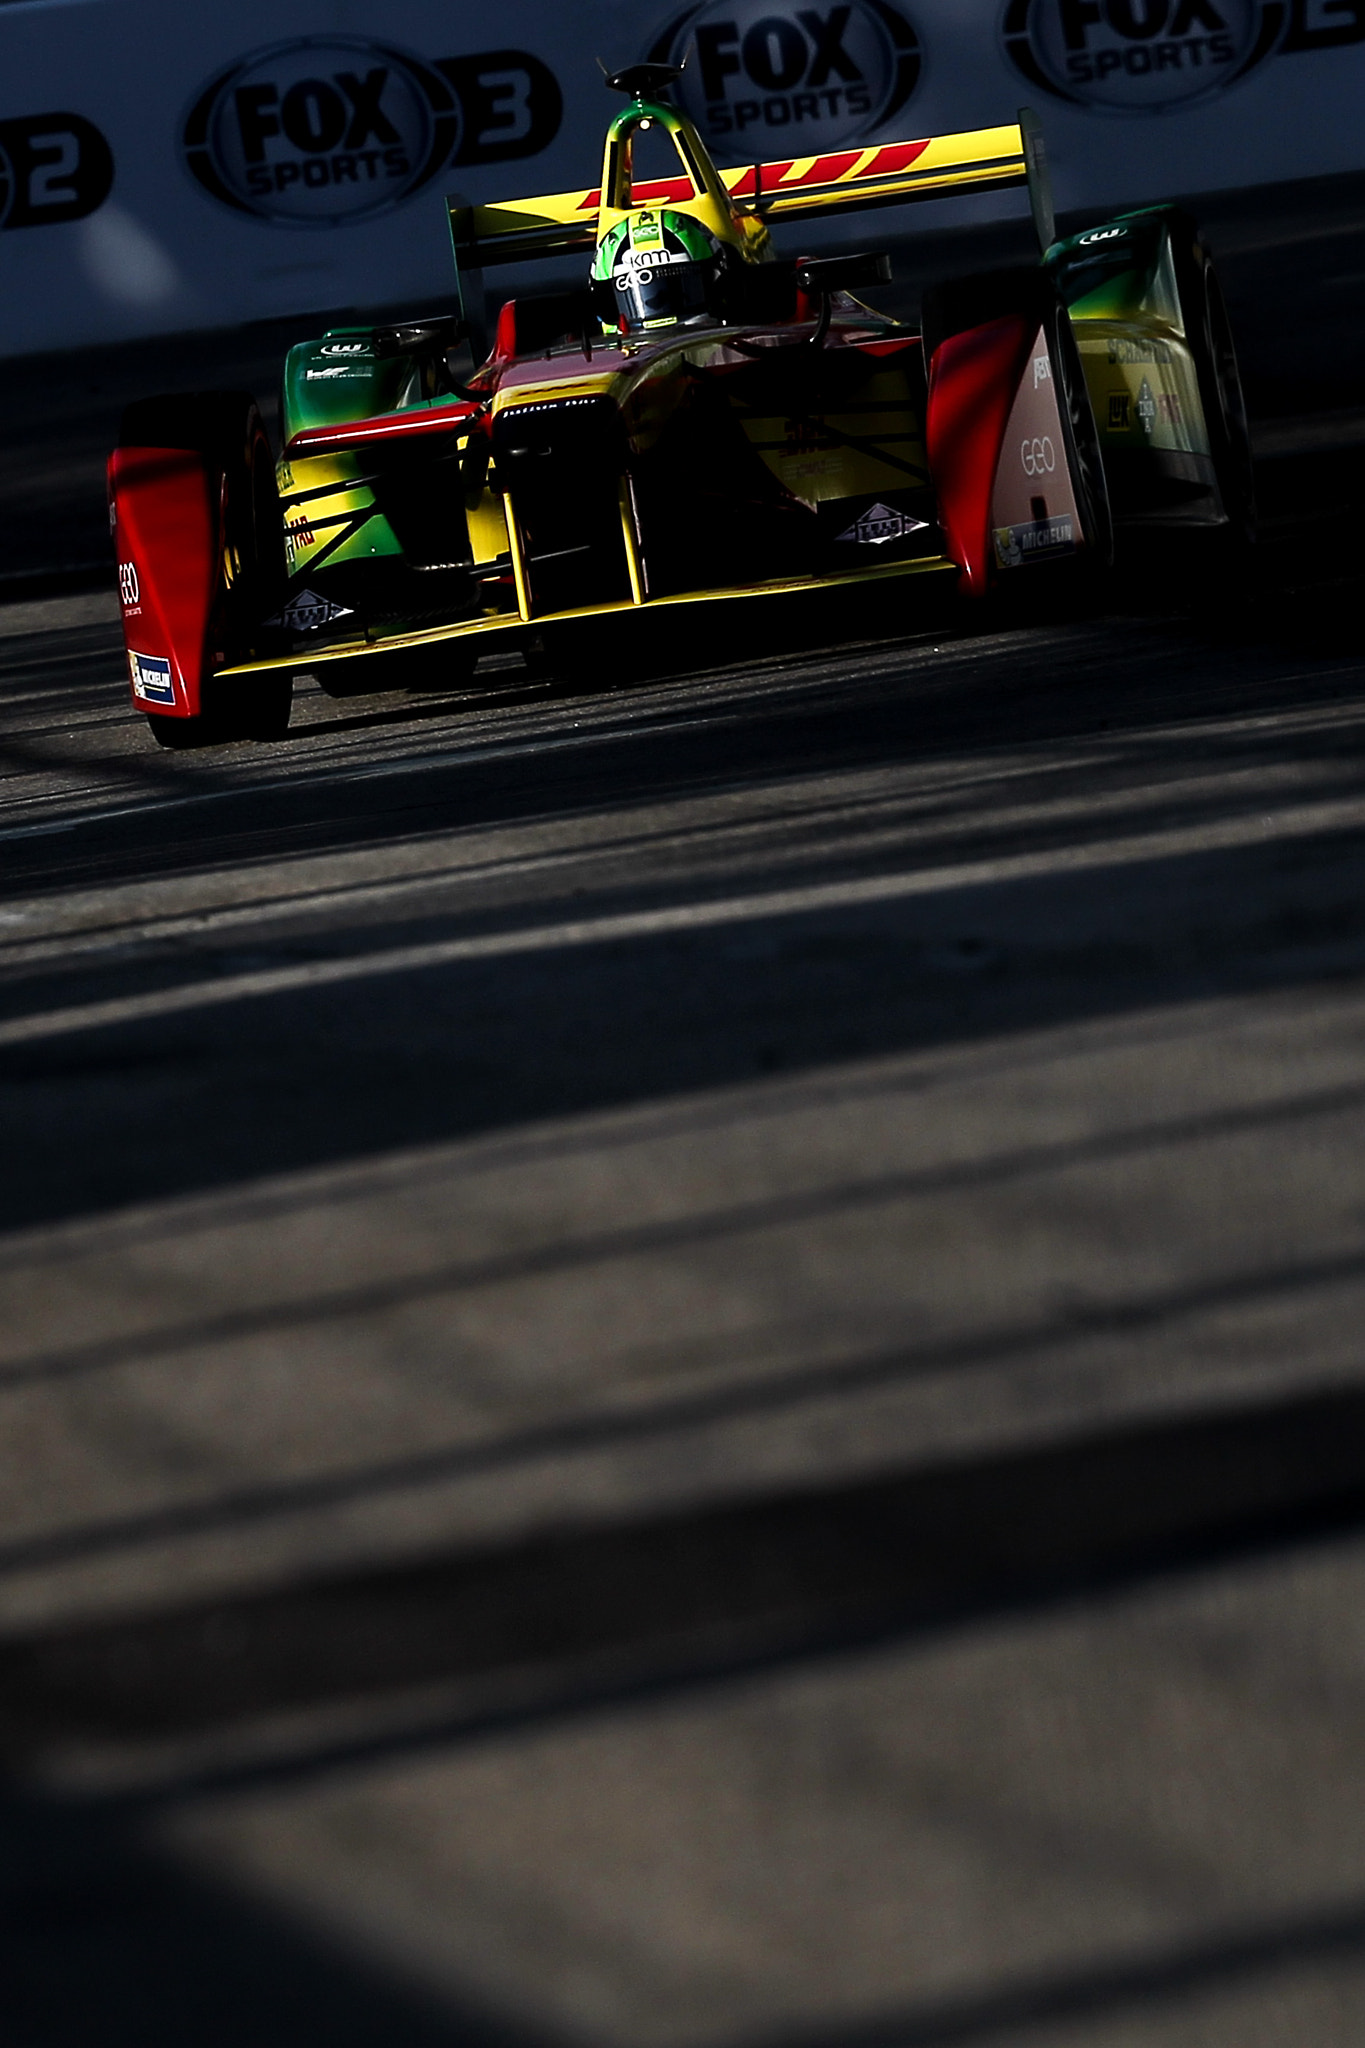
(151, 679)
(1015, 545)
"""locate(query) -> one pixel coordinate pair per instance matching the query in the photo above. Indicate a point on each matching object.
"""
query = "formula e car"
(698, 420)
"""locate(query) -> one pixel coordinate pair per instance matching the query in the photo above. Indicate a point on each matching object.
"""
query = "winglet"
(1039, 178)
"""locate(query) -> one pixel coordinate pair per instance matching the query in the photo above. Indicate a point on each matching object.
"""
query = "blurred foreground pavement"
(682, 1366)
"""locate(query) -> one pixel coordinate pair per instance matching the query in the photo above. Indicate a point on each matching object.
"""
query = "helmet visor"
(657, 294)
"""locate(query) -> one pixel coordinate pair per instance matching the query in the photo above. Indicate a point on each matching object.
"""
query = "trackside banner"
(165, 168)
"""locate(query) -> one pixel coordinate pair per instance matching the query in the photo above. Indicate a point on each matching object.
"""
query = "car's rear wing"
(886, 174)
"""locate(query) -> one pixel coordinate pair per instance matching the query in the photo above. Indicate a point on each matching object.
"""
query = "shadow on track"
(118, 1112)
(474, 1643)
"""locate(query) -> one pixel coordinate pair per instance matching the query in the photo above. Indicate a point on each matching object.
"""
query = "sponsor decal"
(53, 167)
(308, 612)
(1015, 545)
(643, 259)
(805, 434)
(151, 675)
(298, 537)
(554, 405)
(1145, 407)
(1038, 456)
(1139, 352)
(1144, 56)
(880, 523)
(1042, 371)
(328, 129)
(762, 77)
(334, 370)
(129, 589)
(1118, 412)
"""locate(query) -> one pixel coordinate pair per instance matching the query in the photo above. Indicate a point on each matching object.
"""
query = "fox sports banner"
(164, 168)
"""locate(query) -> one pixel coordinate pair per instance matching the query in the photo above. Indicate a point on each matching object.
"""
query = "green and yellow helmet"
(663, 268)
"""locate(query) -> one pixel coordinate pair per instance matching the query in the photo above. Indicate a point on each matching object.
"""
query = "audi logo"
(128, 587)
(1038, 456)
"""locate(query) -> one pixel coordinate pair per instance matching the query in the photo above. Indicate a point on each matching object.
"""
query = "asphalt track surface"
(681, 1361)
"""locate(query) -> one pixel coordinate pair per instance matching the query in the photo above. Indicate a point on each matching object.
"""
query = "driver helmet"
(663, 268)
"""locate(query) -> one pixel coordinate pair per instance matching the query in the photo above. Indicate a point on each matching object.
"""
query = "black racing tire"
(258, 709)
(567, 664)
(967, 302)
(225, 428)
(366, 676)
(177, 734)
(438, 670)
(1208, 332)
(1085, 457)
(260, 706)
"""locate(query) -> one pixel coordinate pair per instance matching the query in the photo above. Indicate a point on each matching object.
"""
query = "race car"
(697, 420)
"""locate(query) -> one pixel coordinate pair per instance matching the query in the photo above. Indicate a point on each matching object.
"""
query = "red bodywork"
(973, 379)
(383, 429)
(167, 507)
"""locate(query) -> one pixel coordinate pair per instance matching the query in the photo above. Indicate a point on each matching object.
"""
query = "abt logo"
(331, 128)
(762, 77)
(1147, 55)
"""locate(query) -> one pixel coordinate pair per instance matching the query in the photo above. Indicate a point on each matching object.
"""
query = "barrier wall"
(164, 168)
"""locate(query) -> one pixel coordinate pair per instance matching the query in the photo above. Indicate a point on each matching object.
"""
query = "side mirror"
(420, 337)
(761, 291)
(844, 273)
(554, 316)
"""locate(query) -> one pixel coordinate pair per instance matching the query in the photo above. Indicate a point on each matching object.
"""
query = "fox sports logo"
(764, 81)
(1139, 56)
(322, 129)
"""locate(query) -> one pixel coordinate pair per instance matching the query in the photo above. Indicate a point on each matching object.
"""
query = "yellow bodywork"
(502, 622)
(736, 205)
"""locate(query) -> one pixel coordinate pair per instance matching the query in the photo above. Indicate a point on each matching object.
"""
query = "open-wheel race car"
(698, 420)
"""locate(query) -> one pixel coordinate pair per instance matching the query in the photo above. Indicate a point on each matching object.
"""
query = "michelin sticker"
(765, 80)
(1015, 545)
(151, 675)
(878, 524)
